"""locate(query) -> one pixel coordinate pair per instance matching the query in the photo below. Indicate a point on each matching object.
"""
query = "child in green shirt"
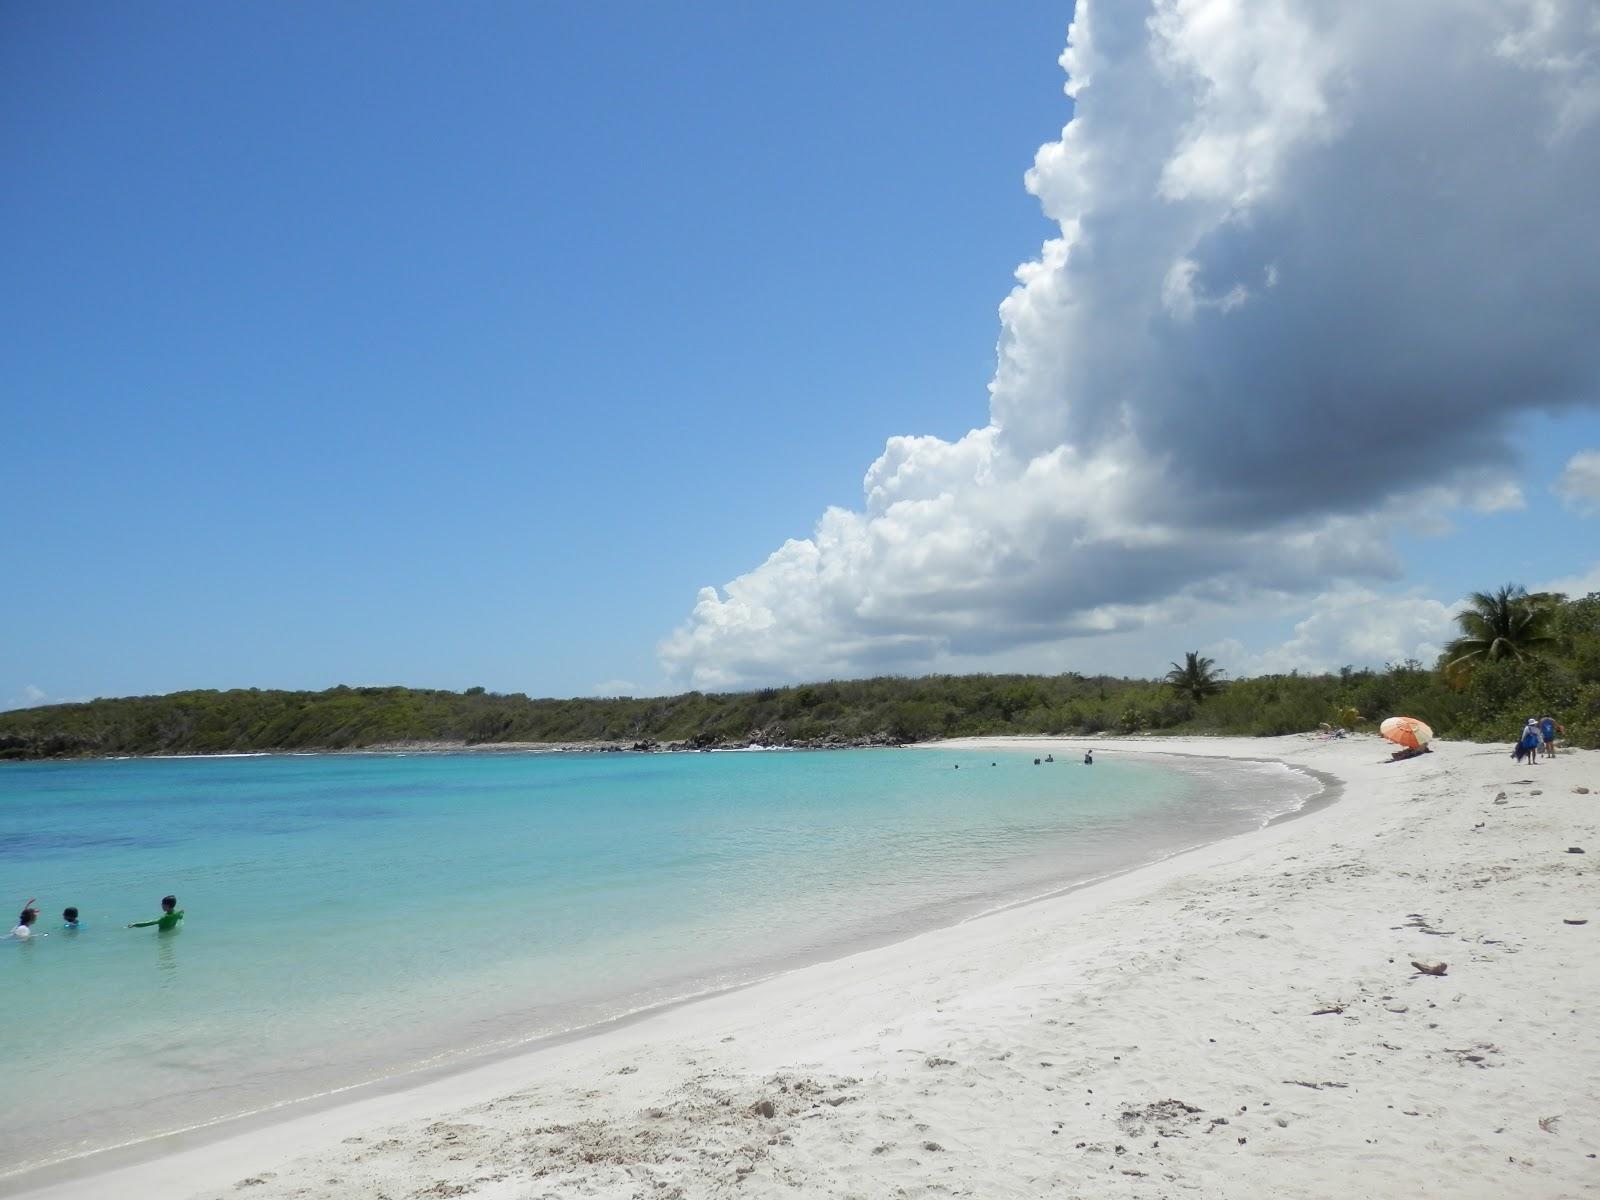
(171, 914)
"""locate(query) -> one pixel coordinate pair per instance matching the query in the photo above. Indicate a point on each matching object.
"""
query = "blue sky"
(461, 345)
(458, 346)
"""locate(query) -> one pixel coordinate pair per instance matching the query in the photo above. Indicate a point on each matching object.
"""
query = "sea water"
(351, 917)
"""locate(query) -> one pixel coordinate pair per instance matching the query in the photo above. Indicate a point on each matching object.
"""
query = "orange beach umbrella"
(1406, 731)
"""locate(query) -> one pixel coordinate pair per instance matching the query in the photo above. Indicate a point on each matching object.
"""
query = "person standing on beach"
(171, 914)
(1548, 732)
(1529, 743)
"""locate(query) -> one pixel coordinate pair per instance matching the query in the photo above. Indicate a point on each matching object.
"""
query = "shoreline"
(817, 1024)
(1116, 742)
(461, 1060)
(444, 746)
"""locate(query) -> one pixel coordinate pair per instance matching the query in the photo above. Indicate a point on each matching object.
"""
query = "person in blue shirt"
(1528, 744)
(1548, 732)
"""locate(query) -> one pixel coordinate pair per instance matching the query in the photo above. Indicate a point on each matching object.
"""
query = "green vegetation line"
(1519, 656)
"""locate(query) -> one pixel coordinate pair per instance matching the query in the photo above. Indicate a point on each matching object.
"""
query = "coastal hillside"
(1484, 698)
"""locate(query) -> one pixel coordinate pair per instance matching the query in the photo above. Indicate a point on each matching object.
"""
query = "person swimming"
(69, 918)
(25, 921)
(1088, 759)
(171, 914)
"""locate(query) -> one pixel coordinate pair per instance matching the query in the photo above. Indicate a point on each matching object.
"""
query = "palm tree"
(1197, 678)
(1507, 623)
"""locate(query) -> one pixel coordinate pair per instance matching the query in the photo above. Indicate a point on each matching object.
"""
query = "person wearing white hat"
(1528, 744)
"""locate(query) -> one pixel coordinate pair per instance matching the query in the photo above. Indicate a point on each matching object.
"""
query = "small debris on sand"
(1575, 850)
(1574, 920)
(1168, 1118)
(1423, 968)
(1476, 1054)
(1418, 921)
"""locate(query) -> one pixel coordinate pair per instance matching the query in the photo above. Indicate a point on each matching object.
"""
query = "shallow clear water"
(352, 916)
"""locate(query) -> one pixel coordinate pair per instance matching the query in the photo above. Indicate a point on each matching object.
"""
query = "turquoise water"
(349, 917)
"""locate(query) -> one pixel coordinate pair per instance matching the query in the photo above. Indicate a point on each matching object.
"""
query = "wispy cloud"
(31, 696)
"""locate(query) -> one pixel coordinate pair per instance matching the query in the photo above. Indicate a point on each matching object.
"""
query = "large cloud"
(1315, 261)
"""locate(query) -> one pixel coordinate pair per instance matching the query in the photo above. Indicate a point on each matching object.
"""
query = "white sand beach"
(1240, 1021)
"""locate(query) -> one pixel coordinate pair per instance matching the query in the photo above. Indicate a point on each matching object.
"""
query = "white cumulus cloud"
(1579, 485)
(1356, 627)
(1314, 262)
(1576, 586)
